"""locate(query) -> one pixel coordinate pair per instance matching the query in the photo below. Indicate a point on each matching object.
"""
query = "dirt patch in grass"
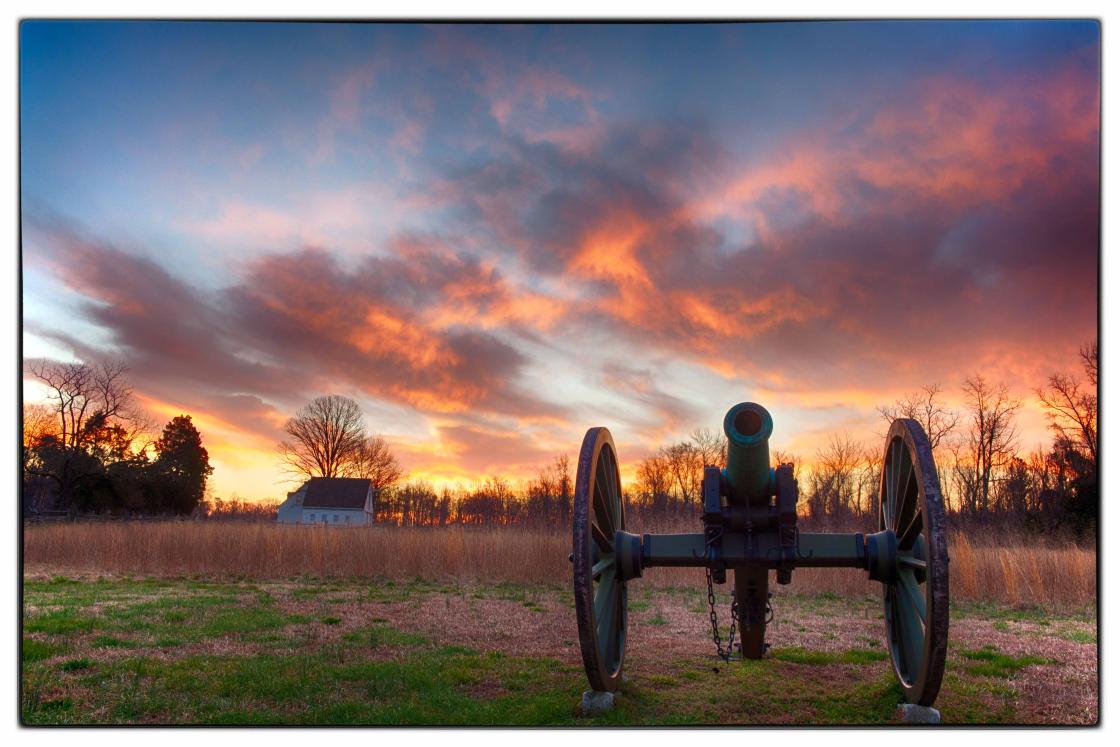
(1061, 691)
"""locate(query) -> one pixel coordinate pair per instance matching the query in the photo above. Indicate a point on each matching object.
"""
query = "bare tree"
(990, 439)
(686, 465)
(550, 494)
(963, 478)
(926, 407)
(837, 467)
(328, 437)
(1016, 489)
(85, 397)
(39, 427)
(95, 421)
(562, 474)
(1090, 362)
(867, 480)
(1073, 412)
(374, 461)
(710, 446)
(39, 422)
(655, 482)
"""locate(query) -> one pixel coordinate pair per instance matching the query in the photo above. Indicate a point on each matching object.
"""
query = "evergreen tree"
(182, 466)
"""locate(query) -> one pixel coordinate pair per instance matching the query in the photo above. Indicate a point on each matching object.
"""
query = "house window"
(336, 518)
(347, 519)
(311, 517)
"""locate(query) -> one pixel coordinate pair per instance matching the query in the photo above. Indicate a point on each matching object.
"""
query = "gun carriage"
(749, 519)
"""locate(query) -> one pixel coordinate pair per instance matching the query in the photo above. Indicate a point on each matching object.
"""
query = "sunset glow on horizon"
(495, 236)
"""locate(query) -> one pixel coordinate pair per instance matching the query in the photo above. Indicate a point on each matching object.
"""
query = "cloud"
(652, 408)
(482, 452)
(524, 98)
(948, 230)
(297, 324)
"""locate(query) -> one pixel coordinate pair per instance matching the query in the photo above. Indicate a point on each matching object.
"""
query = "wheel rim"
(600, 594)
(916, 601)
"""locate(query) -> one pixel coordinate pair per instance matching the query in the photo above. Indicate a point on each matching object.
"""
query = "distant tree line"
(87, 448)
(984, 476)
(545, 501)
(235, 509)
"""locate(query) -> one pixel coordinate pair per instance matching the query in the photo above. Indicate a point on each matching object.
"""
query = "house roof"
(336, 492)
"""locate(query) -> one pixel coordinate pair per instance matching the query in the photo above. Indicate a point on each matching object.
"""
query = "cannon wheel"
(600, 593)
(916, 603)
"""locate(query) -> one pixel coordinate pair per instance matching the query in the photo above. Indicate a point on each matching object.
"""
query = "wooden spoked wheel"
(916, 599)
(600, 592)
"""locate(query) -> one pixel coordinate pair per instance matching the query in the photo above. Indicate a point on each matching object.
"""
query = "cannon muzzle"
(749, 481)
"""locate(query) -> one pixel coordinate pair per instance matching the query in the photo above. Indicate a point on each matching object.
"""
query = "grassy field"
(305, 650)
(1011, 570)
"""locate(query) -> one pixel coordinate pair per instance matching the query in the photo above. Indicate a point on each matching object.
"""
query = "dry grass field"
(1016, 573)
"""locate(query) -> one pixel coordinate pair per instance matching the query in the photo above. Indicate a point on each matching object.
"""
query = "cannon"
(749, 521)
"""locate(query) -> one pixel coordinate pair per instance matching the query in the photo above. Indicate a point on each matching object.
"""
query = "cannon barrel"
(748, 427)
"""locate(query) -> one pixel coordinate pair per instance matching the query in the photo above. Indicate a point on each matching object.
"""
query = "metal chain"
(723, 654)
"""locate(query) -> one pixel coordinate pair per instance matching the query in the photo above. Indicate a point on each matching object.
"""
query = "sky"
(496, 236)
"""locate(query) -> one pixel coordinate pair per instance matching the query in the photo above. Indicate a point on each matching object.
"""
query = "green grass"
(1021, 613)
(380, 634)
(992, 663)
(1079, 636)
(73, 665)
(56, 622)
(432, 687)
(35, 650)
(125, 652)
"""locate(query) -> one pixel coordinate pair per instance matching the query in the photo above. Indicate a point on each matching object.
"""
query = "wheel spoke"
(615, 494)
(910, 561)
(896, 636)
(602, 592)
(896, 455)
(611, 649)
(892, 486)
(913, 592)
(602, 565)
(910, 533)
(605, 543)
(884, 507)
(602, 518)
(888, 477)
(605, 620)
(603, 509)
(902, 502)
(911, 638)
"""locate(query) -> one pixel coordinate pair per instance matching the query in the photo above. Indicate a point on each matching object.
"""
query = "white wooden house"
(333, 501)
